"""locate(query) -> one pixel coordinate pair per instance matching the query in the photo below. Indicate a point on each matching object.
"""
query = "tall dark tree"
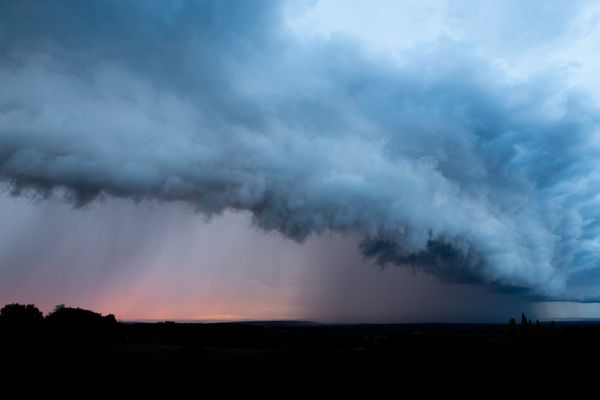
(525, 324)
(523, 320)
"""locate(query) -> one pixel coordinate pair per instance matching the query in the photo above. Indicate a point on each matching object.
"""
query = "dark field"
(192, 358)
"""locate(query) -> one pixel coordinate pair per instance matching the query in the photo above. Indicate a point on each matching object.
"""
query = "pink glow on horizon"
(141, 304)
(145, 304)
(142, 262)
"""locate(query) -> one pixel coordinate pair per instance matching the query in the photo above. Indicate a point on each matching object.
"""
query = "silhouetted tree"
(110, 319)
(525, 325)
(78, 316)
(77, 324)
(20, 314)
(523, 320)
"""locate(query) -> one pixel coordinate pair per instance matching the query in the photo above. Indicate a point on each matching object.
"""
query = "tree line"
(16, 314)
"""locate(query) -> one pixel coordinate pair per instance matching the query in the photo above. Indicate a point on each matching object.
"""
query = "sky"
(342, 161)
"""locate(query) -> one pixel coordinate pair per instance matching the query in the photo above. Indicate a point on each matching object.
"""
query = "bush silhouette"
(20, 314)
(78, 316)
(70, 324)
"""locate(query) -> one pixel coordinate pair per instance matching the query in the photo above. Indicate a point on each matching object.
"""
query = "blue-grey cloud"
(440, 160)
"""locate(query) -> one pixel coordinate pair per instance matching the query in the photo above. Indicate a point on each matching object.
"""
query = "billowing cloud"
(438, 159)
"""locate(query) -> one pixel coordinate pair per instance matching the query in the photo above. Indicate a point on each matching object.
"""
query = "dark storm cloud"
(440, 161)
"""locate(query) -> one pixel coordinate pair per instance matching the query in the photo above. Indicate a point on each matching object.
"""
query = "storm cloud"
(439, 159)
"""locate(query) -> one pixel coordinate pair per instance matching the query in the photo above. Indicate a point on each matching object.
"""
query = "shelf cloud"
(440, 158)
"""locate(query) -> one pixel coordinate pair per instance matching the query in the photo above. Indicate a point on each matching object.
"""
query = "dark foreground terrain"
(164, 359)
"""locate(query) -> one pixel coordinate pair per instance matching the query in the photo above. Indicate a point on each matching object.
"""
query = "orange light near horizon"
(149, 301)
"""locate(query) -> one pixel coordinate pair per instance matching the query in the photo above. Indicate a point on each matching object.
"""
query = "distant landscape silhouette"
(174, 358)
